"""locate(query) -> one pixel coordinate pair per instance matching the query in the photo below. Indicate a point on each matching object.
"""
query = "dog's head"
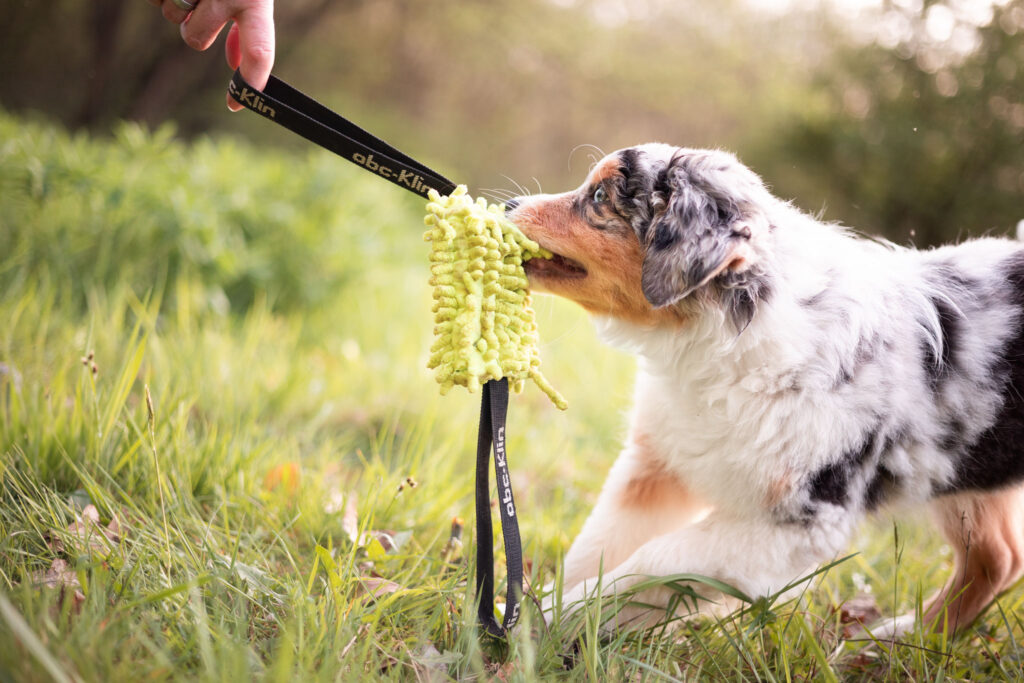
(652, 228)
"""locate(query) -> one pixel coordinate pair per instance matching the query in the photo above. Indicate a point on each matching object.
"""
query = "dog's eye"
(600, 195)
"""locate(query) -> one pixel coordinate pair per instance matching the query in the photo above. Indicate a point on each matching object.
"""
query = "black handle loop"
(493, 410)
(304, 116)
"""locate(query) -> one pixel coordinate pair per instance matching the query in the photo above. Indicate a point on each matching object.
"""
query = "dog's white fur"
(792, 377)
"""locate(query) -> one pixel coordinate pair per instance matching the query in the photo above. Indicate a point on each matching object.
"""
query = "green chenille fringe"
(484, 324)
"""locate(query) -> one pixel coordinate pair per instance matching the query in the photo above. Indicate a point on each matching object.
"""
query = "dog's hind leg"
(986, 532)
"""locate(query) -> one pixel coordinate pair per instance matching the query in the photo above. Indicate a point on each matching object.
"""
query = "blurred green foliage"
(917, 142)
(142, 212)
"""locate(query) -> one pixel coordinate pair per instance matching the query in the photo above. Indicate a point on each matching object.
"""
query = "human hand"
(250, 41)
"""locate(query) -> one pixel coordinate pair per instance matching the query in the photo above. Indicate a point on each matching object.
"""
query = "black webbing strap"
(493, 409)
(303, 115)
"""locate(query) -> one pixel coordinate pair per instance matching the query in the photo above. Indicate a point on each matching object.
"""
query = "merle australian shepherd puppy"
(792, 378)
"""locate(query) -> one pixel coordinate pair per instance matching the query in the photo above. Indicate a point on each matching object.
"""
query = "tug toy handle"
(301, 114)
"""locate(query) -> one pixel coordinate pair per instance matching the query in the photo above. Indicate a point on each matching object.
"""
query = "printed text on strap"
(304, 116)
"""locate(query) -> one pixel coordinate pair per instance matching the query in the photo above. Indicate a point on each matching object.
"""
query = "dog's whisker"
(585, 145)
(522, 190)
(494, 195)
(498, 192)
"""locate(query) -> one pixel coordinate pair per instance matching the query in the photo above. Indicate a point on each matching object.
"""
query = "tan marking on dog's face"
(593, 236)
(651, 485)
(604, 169)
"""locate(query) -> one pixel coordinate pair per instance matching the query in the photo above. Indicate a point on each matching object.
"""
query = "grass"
(275, 311)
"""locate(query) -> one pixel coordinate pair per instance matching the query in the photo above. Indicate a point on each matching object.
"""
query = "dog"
(793, 377)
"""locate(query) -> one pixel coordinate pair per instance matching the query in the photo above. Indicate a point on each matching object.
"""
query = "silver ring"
(185, 5)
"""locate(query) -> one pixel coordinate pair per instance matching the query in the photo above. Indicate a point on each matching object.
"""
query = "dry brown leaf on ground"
(430, 665)
(390, 541)
(87, 534)
(860, 610)
(502, 671)
(287, 477)
(862, 661)
(348, 502)
(375, 587)
(60, 576)
(115, 532)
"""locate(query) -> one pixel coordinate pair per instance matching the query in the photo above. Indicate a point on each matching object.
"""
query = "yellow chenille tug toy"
(484, 324)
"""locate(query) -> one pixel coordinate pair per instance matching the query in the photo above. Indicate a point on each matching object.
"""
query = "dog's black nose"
(511, 204)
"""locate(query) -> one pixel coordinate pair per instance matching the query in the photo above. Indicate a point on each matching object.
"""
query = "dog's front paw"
(612, 611)
(561, 605)
(894, 627)
(887, 628)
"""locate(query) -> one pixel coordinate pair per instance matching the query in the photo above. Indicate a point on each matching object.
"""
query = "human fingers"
(250, 45)
(232, 49)
(255, 23)
(205, 23)
(172, 12)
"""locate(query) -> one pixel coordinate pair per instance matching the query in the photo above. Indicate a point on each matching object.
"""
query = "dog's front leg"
(639, 502)
(758, 557)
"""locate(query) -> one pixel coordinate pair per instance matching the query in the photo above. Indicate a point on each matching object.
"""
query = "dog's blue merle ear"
(702, 233)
